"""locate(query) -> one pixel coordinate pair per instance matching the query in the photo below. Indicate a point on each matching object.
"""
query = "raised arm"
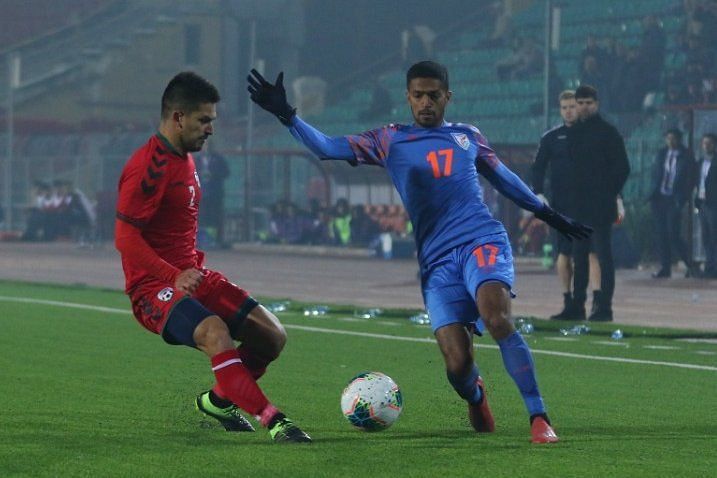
(272, 98)
(370, 147)
(325, 147)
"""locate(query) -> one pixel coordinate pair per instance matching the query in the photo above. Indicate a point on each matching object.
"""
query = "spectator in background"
(629, 88)
(37, 213)
(651, 52)
(672, 184)
(593, 49)
(317, 223)
(286, 224)
(525, 61)
(601, 169)
(213, 170)
(706, 202)
(364, 229)
(83, 216)
(340, 225)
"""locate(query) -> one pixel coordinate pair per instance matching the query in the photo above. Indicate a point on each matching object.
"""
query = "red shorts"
(153, 300)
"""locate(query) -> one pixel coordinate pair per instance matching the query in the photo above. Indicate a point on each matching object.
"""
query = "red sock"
(235, 382)
(253, 362)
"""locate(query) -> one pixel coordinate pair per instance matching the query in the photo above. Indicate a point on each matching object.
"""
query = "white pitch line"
(554, 353)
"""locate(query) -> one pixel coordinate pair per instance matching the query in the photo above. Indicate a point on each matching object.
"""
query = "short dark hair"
(711, 136)
(428, 69)
(586, 91)
(187, 91)
(676, 132)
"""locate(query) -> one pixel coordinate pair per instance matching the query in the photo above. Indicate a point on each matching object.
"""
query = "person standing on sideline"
(213, 171)
(466, 263)
(173, 295)
(706, 202)
(554, 154)
(601, 169)
(672, 185)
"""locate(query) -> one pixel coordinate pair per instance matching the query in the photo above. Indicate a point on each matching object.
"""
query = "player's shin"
(236, 383)
(519, 363)
(253, 362)
(466, 385)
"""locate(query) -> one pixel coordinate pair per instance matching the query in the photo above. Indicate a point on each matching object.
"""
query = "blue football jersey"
(435, 170)
(435, 173)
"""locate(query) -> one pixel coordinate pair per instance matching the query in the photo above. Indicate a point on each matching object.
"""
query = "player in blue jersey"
(464, 255)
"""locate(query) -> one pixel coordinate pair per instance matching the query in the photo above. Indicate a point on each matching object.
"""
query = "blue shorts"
(450, 283)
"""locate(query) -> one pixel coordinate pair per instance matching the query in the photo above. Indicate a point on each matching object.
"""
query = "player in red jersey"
(172, 293)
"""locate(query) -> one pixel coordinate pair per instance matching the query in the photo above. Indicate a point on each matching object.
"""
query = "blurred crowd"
(631, 76)
(625, 74)
(59, 211)
(695, 83)
(341, 224)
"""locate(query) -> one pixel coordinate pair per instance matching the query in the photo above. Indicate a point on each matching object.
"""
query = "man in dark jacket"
(601, 169)
(554, 155)
(706, 202)
(672, 184)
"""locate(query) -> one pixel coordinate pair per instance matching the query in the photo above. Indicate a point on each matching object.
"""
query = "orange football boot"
(542, 432)
(479, 414)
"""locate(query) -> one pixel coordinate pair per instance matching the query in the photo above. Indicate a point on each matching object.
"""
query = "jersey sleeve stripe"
(133, 222)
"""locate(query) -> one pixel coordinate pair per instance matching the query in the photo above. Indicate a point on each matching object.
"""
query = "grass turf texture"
(90, 393)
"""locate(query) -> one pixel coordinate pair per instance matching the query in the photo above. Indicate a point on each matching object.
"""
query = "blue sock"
(466, 386)
(519, 364)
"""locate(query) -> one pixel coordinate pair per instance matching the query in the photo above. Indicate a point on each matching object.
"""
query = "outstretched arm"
(323, 146)
(370, 147)
(511, 186)
(272, 98)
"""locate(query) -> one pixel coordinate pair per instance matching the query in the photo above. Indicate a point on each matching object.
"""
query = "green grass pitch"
(88, 392)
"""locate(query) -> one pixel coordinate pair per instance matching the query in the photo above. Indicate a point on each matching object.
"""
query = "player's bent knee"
(212, 336)
(272, 330)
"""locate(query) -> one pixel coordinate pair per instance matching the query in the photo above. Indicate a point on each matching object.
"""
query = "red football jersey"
(159, 193)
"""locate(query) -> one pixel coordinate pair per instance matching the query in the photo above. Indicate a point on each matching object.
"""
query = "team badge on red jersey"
(462, 140)
(165, 294)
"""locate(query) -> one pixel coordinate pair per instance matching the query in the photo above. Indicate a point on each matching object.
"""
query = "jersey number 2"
(194, 195)
(447, 156)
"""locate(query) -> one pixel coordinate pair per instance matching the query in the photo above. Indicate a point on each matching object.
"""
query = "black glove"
(563, 224)
(270, 97)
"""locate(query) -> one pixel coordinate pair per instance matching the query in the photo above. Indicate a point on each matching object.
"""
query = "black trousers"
(708, 221)
(599, 242)
(667, 219)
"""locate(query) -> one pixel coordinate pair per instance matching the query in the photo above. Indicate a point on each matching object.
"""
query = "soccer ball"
(371, 401)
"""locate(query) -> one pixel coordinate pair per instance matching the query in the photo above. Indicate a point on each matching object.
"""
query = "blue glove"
(563, 224)
(270, 97)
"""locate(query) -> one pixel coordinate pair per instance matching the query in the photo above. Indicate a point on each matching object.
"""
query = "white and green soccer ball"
(371, 401)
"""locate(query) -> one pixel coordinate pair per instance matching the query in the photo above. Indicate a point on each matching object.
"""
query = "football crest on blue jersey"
(462, 140)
